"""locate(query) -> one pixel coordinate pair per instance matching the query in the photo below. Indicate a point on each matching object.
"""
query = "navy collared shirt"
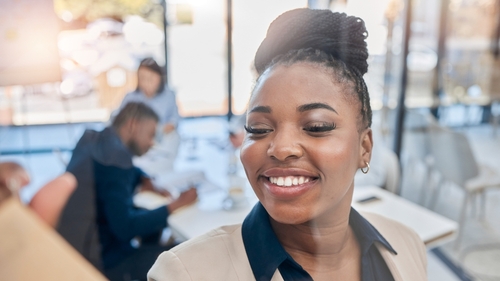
(107, 181)
(266, 254)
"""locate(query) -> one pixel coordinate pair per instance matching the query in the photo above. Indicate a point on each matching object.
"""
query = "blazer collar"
(265, 253)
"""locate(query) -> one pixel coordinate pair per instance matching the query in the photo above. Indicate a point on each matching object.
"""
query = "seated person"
(49, 200)
(152, 91)
(29, 250)
(103, 200)
(237, 130)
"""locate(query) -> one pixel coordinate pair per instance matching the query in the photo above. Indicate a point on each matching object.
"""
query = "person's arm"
(172, 112)
(187, 197)
(115, 194)
(115, 187)
(50, 200)
(147, 185)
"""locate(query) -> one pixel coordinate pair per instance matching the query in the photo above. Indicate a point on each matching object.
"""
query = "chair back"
(392, 169)
(77, 223)
(416, 144)
(453, 156)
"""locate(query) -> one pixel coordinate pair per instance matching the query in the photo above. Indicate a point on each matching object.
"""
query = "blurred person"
(236, 129)
(49, 200)
(152, 90)
(29, 250)
(308, 132)
(107, 181)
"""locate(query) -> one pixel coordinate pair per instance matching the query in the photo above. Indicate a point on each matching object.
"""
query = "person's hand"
(186, 198)
(13, 175)
(169, 127)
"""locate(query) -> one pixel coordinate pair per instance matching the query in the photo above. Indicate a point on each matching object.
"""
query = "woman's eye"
(320, 128)
(257, 131)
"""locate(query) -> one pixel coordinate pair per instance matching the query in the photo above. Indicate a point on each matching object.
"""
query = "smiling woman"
(308, 132)
(313, 135)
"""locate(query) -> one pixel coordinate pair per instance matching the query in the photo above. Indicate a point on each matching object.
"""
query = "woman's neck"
(312, 237)
(322, 247)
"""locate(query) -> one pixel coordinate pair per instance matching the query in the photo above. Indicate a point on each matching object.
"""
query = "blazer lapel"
(389, 260)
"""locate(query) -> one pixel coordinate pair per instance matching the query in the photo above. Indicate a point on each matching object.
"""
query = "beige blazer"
(220, 255)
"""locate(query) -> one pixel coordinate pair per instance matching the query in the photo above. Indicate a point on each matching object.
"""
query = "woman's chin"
(288, 214)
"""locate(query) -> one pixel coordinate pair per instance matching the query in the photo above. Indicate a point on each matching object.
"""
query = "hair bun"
(337, 34)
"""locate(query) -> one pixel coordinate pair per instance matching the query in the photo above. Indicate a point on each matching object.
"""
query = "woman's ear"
(366, 146)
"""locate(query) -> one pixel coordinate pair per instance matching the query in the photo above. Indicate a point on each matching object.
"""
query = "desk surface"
(433, 228)
(208, 214)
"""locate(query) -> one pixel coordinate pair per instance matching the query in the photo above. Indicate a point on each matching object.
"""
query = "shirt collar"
(265, 253)
(366, 233)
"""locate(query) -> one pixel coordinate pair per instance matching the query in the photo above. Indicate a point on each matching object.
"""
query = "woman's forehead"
(298, 83)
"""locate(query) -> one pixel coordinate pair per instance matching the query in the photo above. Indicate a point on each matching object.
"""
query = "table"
(434, 229)
(208, 214)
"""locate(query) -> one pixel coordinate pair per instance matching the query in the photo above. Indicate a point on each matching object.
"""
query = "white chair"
(392, 169)
(454, 160)
(416, 155)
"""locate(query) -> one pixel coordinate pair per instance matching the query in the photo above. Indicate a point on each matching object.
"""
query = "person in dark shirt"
(307, 133)
(102, 209)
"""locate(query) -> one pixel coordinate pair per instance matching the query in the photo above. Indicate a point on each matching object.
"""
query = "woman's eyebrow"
(315, 105)
(262, 109)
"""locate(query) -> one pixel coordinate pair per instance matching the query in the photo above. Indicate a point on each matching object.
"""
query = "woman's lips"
(288, 187)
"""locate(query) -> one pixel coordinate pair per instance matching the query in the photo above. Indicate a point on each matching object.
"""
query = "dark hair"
(134, 110)
(151, 64)
(333, 40)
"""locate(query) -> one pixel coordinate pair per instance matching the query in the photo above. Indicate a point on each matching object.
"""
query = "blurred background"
(65, 65)
(77, 59)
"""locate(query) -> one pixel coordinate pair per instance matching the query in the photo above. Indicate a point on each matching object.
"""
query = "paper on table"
(179, 181)
(150, 200)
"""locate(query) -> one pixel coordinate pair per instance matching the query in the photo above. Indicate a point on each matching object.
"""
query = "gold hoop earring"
(367, 168)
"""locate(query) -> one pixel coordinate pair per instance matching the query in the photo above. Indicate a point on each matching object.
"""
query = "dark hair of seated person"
(134, 110)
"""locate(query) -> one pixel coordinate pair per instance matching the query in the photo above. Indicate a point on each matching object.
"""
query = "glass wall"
(101, 43)
(465, 74)
(198, 51)
(250, 22)
(197, 56)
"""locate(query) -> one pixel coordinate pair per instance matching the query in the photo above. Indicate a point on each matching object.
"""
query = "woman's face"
(149, 81)
(303, 146)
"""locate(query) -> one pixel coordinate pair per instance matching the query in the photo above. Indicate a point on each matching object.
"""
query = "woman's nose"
(284, 146)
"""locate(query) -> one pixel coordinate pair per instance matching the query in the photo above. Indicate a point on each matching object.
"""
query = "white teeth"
(289, 181)
(301, 180)
(280, 181)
